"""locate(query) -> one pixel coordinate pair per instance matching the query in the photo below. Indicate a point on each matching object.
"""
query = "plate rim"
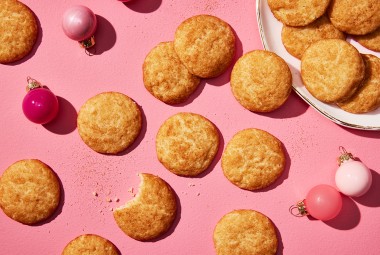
(325, 114)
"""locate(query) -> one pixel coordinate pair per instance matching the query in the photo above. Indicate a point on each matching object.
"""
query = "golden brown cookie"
(298, 12)
(151, 213)
(367, 97)
(29, 191)
(90, 244)
(356, 17)
(109, 122)
(261, 81)
(187, 143)
(18, 30)
(332, 70)
(253, 159)
(370, 41)
(297, 39)
(205, 45)
(245, 232)
(165, 77)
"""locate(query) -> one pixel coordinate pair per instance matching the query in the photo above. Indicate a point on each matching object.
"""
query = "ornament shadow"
(66, 120)
(145, 6)
(371, 198)
(225, 77)
(349, 216)
(105, 37)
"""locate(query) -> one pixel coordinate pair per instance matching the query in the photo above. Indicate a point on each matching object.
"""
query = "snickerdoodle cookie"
(187, 143)
(297, 39)
(245, 232)
(18, 31)
(109, 122)
(367, 97)
(29, 191)
(261, 81)
(90, 244)
(151, 213)
(370, 41)
(357, 17)
(253, 159)
(205, 44)
(298, 12)
(332, 70)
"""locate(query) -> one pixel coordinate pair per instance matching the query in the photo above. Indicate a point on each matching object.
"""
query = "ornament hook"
(32, 84)
(299, 209)
(345, 155)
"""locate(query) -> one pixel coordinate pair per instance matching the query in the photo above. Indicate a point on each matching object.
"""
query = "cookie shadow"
(105, 37)
(293, 107)
(280, 245)
(35, 46)
(59, 208)
(141, 135)
(66, 119)
(284, 175)
(349, 216)
(193, 96)
(371, 198)
(225, 77)
(145, 6)
(174, 224)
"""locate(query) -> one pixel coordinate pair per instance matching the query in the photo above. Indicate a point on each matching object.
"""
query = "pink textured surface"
(125, 34)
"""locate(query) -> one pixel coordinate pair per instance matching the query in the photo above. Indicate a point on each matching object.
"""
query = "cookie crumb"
(108, 199)
(198, 194)
(191, 184)
(130, 190)
(94, 193)
(116, 199)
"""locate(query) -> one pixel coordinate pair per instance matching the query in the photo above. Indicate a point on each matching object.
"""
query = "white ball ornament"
(352, 178)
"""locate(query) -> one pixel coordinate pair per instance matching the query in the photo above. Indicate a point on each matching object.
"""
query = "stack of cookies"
(203, 47)
(333, 70)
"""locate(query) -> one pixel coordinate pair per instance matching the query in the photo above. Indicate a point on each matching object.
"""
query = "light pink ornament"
(352, 178)
(79, 24)
(322, 202)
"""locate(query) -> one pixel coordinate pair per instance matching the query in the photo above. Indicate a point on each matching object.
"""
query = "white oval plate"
(270, 32)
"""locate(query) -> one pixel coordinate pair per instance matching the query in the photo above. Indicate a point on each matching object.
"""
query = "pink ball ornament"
(40, 105)
(352, 178)
(322, 202)
(79, 24)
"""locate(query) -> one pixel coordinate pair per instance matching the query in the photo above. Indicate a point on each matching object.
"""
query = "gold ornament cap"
(345, 156)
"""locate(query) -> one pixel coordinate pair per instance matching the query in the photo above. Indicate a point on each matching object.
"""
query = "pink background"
(126, 33)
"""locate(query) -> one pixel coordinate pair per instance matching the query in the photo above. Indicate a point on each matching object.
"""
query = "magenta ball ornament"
(40, 105)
